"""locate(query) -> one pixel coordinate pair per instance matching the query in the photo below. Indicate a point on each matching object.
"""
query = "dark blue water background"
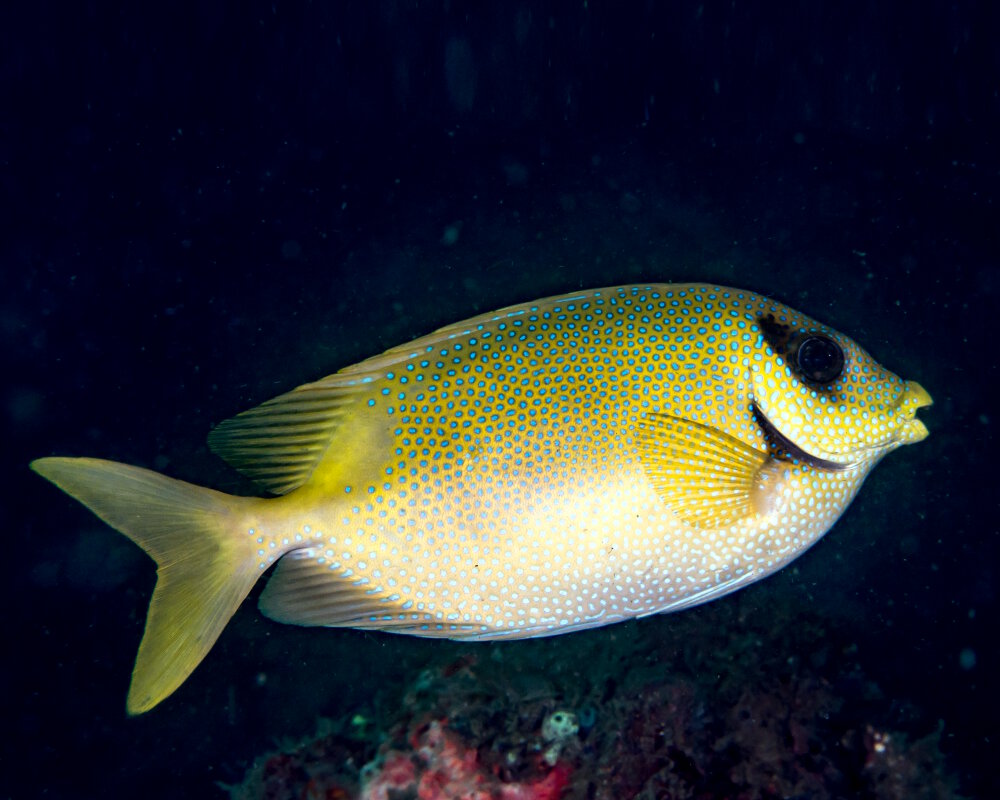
(206, 204)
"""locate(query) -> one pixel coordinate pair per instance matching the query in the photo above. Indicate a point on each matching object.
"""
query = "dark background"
(205, 204)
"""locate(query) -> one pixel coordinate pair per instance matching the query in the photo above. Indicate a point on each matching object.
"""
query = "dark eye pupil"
(820, 359)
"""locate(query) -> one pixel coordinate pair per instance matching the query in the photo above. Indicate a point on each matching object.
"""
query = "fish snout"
(913, 430)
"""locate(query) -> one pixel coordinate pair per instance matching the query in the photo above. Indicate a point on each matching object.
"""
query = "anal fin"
(305, 591)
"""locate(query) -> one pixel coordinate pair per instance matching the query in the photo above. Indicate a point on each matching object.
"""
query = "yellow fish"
(548, 467)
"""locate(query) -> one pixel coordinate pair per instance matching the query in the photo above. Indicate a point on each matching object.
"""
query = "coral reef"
(737, 711)
(558, 728)
(440, 766)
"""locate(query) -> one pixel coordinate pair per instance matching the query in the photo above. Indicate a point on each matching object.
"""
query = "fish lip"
(910, 431)
(912, 399)
(774, 433)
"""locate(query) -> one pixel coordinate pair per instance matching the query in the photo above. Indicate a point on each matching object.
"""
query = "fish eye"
(819, 359)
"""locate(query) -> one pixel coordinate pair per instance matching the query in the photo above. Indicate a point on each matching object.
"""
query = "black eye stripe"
(818, 358)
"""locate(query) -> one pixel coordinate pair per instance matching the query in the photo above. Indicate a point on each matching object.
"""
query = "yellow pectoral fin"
(708, 478)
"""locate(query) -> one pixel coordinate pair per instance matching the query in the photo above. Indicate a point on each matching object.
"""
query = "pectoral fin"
(707, 477)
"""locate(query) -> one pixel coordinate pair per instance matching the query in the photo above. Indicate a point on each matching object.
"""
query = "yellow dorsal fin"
(457, 331)
(280, 443)
(708, 478)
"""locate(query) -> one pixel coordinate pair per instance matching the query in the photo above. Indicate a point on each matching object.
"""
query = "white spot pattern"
(512, 500)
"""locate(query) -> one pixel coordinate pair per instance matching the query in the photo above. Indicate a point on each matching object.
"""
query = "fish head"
(823, 396)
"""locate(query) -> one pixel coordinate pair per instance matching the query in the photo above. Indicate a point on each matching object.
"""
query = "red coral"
(548, 788)
(443, 768)
(396, 773)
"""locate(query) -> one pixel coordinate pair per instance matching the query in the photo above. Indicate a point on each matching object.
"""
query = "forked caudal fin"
(205, 569)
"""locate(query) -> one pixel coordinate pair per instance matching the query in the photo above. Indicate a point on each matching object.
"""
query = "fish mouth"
(913, 429)
(910, 430)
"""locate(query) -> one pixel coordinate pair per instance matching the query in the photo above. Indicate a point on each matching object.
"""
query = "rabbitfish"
(549, 467)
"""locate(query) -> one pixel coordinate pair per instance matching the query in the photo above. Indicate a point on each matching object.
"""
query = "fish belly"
(505, 553)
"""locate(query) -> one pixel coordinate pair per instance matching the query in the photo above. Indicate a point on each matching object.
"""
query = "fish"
(549, 467)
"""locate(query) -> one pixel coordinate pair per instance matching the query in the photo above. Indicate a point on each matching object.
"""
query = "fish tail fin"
(204, 567)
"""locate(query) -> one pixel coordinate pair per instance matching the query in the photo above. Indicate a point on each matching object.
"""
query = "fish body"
(545, 468)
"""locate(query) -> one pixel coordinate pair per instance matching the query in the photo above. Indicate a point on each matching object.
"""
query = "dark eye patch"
(818, 358)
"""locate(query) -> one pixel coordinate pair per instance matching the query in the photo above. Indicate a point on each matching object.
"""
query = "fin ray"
(707, 477)
(279, 443)
(304, 592)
